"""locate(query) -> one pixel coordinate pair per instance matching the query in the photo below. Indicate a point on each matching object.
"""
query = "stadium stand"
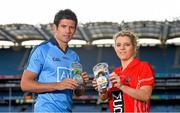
(164, 57)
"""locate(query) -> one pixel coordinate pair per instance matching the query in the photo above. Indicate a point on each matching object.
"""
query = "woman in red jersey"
(132, 82)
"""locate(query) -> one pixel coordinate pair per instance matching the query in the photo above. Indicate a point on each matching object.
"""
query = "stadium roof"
(23, 21)
(98, 33)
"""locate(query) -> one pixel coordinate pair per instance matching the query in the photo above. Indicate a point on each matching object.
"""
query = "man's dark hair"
(65, 14)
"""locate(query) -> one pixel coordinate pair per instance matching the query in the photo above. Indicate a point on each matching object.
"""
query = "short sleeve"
(36, 61)
(147, 75)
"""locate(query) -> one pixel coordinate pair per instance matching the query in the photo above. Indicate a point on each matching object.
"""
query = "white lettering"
(117, 103)
(118, 110)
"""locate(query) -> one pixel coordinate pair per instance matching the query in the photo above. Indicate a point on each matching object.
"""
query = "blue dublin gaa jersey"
(51, 64)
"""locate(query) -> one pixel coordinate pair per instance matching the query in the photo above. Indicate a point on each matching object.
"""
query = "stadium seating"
(11, 61)
(164, 60)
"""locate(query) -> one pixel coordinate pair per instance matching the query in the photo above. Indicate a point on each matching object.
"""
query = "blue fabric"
(51, 64)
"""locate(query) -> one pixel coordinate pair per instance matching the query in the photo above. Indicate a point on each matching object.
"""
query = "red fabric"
(136, 74)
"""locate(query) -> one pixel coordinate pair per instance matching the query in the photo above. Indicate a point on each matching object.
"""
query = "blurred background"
(24, 24)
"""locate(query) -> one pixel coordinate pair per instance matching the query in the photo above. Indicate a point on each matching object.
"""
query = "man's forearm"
(36, 87)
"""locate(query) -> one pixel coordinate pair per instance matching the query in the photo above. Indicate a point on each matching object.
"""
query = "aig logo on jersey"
(118, 106)
(62, 73)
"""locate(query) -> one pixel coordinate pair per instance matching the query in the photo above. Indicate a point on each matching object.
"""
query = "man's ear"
(54, 28)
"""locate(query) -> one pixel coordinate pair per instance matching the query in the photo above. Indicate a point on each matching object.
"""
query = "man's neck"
(62, 45)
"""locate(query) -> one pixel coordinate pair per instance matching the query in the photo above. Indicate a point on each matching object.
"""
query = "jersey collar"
(134, 62)
(54, 42)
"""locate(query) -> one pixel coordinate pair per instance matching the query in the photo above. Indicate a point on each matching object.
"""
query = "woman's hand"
(115, 80)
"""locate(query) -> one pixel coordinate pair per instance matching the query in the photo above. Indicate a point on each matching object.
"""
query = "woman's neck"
(125, 63)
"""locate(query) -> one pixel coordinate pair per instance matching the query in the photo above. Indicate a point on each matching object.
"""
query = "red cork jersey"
(136, 74)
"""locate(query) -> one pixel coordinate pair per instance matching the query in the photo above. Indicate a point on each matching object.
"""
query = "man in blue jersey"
(48, 70)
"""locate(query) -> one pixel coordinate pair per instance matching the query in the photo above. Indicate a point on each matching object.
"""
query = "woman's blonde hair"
(133, 37)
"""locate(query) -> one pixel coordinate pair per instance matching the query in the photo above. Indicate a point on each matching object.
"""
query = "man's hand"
(85, 77)
(81, 88)
(94, 83)
(67, 83)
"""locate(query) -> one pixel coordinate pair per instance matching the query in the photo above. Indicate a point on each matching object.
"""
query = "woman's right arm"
(102, 95)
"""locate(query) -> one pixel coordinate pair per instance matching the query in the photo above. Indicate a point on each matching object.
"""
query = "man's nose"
(68, 30)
